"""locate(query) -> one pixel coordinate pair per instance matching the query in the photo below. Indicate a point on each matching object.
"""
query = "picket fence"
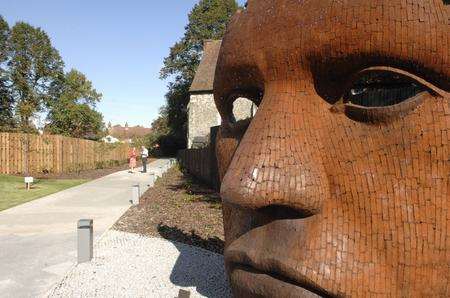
(55, 154)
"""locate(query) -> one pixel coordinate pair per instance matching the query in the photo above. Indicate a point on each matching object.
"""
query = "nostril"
(278, 212)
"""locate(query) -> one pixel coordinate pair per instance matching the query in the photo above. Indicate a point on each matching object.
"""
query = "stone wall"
(202, 115)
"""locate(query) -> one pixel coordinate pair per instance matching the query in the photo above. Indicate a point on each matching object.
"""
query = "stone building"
(202, 112)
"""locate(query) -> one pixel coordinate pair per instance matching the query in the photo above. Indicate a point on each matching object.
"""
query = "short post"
(184, 294)
(152, 180)
(135, 194)
(85, 240)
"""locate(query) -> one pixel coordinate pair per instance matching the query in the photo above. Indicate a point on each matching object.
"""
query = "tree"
(73, 113)
(33, 66)
(6, 100)
(78, 89)
(76, 120)
(207, 20)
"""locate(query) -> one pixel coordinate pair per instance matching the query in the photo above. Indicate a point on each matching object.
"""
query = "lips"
(272, 281)
(258, 268)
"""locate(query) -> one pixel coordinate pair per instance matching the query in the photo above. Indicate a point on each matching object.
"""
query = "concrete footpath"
(38, 239)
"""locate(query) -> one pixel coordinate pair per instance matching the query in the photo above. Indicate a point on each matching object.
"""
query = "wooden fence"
(55, 154)
(202, 163)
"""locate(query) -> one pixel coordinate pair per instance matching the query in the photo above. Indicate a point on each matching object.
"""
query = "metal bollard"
(85, 240)
(135, 194)
(184, 294)
(152, 180)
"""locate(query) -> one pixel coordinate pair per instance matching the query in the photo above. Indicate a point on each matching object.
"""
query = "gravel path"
(130, 265)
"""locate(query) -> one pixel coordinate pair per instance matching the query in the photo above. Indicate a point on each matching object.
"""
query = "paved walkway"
(130, 265)
(38, 239)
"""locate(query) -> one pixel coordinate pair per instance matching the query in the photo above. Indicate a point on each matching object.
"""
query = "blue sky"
(119, 45)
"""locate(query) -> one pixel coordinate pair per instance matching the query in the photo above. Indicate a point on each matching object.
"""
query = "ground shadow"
(213, 244)
(198, 268)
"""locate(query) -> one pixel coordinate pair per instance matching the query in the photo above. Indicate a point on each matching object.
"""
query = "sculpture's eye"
(378, 95)
(243, 109)
(381, 89)
(242, 105)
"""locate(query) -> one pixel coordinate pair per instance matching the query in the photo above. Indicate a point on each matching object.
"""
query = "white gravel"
(130, 265)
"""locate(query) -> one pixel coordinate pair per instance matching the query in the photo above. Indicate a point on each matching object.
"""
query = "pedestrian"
(144, 155)
(132, 156)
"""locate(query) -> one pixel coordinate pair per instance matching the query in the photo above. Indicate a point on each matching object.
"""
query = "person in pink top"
(132, 156)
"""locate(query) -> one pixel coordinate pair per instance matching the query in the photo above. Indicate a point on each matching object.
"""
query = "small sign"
(29, 180)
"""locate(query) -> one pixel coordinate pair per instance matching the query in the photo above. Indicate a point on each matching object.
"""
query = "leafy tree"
(33, 66)
(76, 120)
(207, 20)
(73, 113)
(75, 87)
(6, 100)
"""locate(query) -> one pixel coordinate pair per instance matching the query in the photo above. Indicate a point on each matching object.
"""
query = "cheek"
(400, 159)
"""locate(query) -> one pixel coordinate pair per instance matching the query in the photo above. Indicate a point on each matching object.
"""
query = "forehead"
(293, 36)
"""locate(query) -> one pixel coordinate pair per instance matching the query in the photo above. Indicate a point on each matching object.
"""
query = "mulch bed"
(179, 209)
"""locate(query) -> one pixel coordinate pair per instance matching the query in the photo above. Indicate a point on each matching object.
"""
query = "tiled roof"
(204, 77)
(121, 133)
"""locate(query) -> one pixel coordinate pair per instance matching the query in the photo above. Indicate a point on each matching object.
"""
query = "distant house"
(110, 140)
(202, 112)
(127, 133)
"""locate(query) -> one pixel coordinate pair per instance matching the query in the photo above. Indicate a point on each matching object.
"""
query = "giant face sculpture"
(340, 184)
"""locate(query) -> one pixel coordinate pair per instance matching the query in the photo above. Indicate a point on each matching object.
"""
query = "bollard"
(184, 294)
(85, 240)
(152, 180)
(135, 194)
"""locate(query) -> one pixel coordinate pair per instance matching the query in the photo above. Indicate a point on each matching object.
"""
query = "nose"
(277, 168)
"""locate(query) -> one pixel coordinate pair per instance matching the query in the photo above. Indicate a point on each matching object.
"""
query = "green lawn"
(13, 193)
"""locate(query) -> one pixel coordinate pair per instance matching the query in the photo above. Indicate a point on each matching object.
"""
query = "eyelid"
(383, 113)
(432, 87)
(380, 114)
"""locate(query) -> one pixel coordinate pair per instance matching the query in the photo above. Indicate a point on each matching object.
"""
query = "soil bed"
(180, 209)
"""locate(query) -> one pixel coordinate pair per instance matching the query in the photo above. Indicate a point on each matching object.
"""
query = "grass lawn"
(13, 193)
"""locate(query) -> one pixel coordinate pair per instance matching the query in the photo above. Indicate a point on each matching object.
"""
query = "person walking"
(132, 156)
(144, 156)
